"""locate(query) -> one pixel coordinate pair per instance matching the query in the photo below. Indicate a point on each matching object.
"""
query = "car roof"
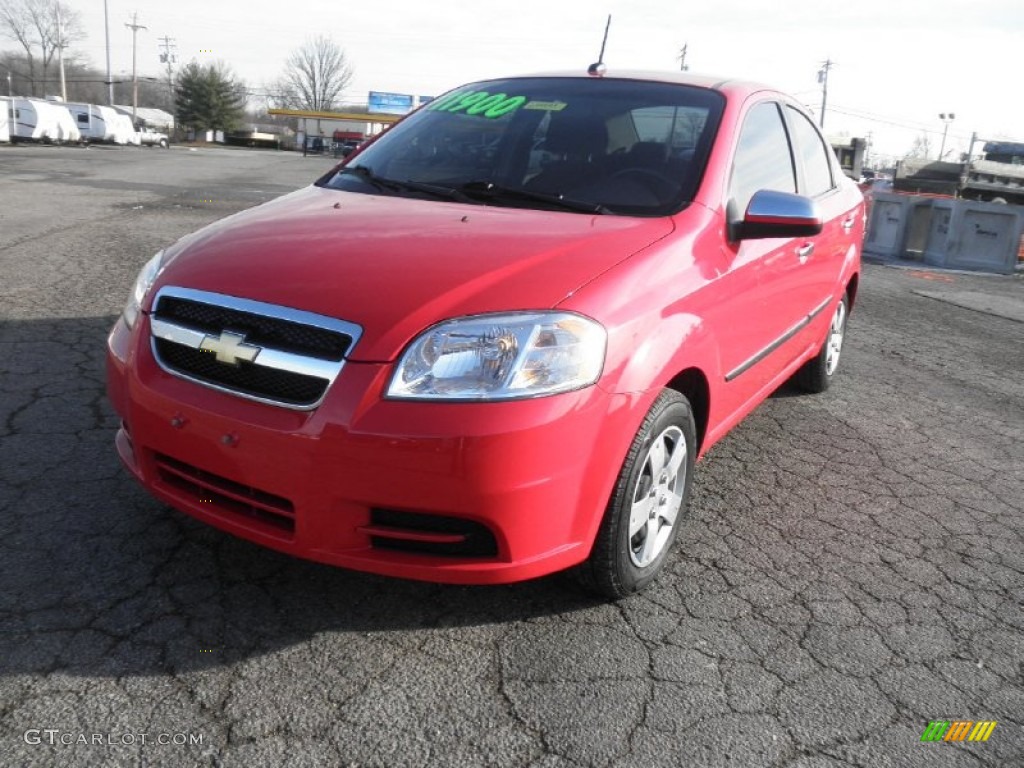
(729, 86)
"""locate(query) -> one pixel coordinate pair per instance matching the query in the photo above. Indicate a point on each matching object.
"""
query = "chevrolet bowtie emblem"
(230, 348)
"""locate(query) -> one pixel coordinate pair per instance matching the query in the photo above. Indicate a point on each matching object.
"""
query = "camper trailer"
(5, 120)
(101, 124)
(37, 120)
(127, 128)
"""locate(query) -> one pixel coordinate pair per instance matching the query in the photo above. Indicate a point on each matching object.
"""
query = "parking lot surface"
(852, 569)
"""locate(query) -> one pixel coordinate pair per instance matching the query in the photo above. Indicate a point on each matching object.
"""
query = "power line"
(876, 119)
(910, 126)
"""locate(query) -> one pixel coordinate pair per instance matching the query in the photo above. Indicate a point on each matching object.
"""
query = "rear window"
(620, 146)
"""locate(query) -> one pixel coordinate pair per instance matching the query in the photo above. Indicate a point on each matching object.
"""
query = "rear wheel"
(648, 503)
(816, 374)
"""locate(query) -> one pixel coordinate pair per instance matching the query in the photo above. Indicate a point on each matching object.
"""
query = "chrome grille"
(260, 330)
(251, 349)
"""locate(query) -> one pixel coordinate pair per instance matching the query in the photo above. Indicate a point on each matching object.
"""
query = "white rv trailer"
(99, 123)
(126, 129)
(5, 123)
(38, 120)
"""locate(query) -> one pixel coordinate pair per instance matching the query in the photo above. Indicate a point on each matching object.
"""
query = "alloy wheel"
(657, 497)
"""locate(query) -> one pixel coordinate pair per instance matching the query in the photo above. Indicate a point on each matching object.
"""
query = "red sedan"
(493, 343)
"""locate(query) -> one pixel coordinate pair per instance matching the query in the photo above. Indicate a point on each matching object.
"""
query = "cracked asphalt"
(852, 568)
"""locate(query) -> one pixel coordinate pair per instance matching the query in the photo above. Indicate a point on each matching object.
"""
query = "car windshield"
(591, 145)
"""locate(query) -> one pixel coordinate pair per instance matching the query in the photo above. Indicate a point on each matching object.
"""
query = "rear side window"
(763, 159)
(813, 154)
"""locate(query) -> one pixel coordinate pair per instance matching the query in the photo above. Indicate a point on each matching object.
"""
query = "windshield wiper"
(475, 192)
(438, 190)
(490, 192)
(365, 173)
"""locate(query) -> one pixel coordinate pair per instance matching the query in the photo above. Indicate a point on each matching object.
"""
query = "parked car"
(492, 343)
(147, 137)
(346, 147)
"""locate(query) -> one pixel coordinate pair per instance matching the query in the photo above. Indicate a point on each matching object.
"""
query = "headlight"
(501, 357)
(145, 280)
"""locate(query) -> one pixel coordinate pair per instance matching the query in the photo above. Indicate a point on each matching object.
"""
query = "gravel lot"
(853, 566)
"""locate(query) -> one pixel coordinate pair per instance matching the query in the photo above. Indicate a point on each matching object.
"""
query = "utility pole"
(170, 58)
(682, 58)
(110, 82)
(970, 149)
(135, 27)
(60, 53)
(826, 65)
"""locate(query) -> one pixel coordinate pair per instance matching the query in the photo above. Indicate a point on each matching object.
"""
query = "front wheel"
(648, 503)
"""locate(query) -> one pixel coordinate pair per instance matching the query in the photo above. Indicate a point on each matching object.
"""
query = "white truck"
(147, 137)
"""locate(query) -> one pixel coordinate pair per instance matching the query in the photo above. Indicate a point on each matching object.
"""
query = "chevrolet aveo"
(493, 343)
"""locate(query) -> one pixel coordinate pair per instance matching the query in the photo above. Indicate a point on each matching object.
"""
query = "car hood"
(395, 266)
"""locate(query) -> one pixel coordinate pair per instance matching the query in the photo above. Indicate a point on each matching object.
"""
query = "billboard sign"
(390, 103)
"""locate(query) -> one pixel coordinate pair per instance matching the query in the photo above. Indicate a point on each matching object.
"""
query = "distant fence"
(944, 232)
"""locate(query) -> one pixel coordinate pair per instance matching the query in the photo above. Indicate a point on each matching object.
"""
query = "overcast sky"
(899, 62)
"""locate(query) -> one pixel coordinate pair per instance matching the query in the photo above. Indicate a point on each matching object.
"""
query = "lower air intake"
(429, 534)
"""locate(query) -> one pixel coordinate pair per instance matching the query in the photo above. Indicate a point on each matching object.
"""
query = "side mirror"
(778, 214)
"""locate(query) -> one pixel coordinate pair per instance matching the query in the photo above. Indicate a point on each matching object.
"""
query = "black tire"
(164, 144)
(620, 563)
(816, 374)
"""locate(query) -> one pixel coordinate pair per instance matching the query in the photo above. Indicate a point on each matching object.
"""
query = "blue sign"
(425, 99)
(390, 103)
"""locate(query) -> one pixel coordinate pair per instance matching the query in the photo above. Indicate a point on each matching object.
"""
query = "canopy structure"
(151, 117)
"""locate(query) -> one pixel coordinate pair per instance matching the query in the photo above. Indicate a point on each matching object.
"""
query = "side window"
(763, 159)
(813, 153)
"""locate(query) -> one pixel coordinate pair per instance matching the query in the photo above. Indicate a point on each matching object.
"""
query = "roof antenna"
(599, 67)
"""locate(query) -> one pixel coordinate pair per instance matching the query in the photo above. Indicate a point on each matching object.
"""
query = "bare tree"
(921, 149)
(33, 24)
(314, 76)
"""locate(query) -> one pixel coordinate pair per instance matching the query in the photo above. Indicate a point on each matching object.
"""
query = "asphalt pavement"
(852, 569)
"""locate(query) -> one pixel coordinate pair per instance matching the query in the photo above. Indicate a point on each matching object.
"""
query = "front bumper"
(407, 489)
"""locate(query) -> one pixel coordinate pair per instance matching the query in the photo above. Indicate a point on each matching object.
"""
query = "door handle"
(805, 253)
(848, 224)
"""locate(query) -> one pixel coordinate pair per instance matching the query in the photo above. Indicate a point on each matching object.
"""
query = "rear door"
(821, 262)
